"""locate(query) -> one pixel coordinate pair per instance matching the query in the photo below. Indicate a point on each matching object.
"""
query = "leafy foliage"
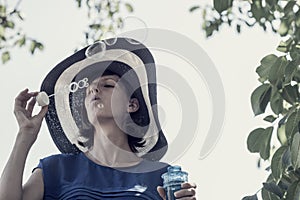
(105, 18)
(11, 35)
(104, 15)
(279, 77)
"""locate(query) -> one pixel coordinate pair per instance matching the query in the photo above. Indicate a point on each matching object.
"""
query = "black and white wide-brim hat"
(67, 81)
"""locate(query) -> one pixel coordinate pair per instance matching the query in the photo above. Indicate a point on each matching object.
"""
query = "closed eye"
(109, 86)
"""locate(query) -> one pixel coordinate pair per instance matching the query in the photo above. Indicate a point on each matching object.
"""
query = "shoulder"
(59, 157)
(58, 160)
(59, 167)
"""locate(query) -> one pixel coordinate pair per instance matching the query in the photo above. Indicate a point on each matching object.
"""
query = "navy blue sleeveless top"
(69, 176)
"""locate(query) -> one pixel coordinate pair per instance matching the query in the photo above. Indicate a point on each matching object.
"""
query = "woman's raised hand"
(29, 125)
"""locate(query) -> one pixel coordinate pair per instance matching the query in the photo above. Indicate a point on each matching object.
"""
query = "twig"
(16, 7)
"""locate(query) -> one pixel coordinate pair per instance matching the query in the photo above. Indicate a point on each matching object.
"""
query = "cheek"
(119, 103)
(85, 104)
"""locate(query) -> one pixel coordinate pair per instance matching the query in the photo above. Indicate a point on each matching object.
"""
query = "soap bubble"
(83, 83)
(96, 50)
(110, 38)
(131, 23)
(74, 86)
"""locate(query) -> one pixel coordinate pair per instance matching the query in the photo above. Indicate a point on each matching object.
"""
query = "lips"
(95, 98)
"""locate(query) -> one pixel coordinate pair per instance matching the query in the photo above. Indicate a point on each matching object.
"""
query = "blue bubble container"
(172, 180)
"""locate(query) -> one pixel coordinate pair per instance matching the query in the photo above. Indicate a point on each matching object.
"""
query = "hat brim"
(54, 118)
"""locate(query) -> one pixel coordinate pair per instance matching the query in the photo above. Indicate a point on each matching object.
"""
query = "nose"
(94, 89)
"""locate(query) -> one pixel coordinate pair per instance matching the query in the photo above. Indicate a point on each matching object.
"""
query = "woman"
(105, 124)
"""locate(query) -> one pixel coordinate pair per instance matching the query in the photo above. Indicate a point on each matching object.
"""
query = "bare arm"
(29, 126)
(34, 188)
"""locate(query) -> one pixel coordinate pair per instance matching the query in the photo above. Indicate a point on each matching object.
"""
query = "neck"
(111, 147)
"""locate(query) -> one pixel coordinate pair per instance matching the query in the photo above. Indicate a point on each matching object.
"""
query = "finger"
(186, 198)
(23, 97)
(30, 106)
(161, 192)
(187, 185)
(185, 193)
(42, 112)
(19, 97)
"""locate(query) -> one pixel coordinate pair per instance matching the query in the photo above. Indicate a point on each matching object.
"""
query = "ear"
(133, 105)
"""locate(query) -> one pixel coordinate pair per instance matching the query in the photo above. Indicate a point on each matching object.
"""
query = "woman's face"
(106, 98)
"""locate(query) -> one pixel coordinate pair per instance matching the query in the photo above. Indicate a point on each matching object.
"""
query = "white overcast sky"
(229, 172)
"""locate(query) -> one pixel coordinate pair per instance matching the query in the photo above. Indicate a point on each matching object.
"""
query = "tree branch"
(16, 7)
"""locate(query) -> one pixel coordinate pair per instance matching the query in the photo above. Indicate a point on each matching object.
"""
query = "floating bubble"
(110, 38)
(131, 23)
(83, 83)
(74, 86)
(43, 99)
(96, 50)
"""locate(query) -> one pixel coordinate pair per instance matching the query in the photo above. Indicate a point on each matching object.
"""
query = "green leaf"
(284, 46)
(129, 7)
(257, 11)
(209, 30)
(10, 24)
(289, 7)
(296, 75)
(270, 118)
(290, 94)
(292, 122)
(269, 60)
(264, 69)
(221, 5)
(290, 70)
(276, 101)
(260, 98)
(273, 188)
(40, 46)
(5, 57)
(295, 151)
(259, 141)
(2, 31)
(277, 71)
(32, 47)
(293, 192)
(276, 163)
(266, 195)
(253, 142)
(271, 2)
(286, 159)
(21, 42)
(2, 10)
(283, 28)
(281, 136)
(192, 9)
(95, 26)
(79, 3)
(295, 55)
(238, 28)
(253, 197)
(297, 20)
